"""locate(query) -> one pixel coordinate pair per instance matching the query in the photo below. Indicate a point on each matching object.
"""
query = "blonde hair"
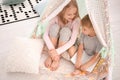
(86, 22)
(61, 14)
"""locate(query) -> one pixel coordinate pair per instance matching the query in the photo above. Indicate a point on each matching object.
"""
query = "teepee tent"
(98, 13)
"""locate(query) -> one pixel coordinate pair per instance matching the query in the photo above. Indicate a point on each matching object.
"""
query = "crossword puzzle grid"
(18, 12)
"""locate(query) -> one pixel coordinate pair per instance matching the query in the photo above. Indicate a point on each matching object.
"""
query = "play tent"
(98, 12)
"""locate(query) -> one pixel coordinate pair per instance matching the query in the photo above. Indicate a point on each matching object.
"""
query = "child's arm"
(90, 62)
(52, 51)
(79, 56)
(75, 31)
(46, 35)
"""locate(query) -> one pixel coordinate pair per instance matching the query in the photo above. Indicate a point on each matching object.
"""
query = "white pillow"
(24, 55)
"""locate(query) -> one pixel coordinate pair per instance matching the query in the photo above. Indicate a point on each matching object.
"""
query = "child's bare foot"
(55, 65)
(48, 62)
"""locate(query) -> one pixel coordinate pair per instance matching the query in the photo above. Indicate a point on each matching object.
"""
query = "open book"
(84, 59)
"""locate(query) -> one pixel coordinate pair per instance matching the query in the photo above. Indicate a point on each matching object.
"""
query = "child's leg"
(69, 53)
(72, 51)
(53, 34)
(65, 34)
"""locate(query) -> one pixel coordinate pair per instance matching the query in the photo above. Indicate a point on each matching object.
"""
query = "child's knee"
(65, 34)
(54, 30)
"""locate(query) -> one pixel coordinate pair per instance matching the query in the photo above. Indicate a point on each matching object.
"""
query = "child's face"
(86, 30)
(70, 13)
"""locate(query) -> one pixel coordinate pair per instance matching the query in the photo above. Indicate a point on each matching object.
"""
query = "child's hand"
(33, 36)
(77, 64)
(56, 58)
(54, 54)
(83, 67)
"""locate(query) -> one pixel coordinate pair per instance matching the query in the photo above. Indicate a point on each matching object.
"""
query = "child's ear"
(93, 30)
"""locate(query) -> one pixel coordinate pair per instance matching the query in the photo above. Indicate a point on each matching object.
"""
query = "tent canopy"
(98, 13)
(96, 9)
